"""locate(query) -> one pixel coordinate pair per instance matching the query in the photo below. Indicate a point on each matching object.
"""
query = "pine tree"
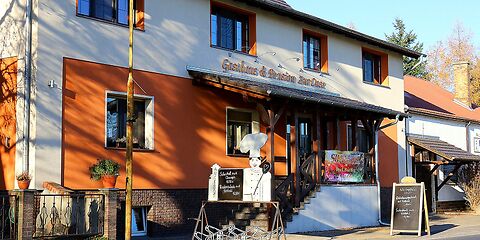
(401, 37)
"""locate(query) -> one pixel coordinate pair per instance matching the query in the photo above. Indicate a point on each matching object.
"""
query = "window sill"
(316, 71)
(377, 85)
(233, 51)
(109, 22)
(124, 149)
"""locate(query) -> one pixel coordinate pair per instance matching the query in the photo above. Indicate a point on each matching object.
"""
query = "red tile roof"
(425, 97)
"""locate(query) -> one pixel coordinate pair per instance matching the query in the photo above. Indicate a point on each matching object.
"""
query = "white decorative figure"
(213, 183)
(256, 183)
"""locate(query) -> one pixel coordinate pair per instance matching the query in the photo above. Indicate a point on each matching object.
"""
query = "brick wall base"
(171, 212)
(451, 206)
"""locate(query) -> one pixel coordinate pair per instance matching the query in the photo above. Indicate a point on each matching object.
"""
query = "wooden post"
(130, 121)
(271, 115)
(297, 165)
(337, 134)
(354, 127)
(318, 165)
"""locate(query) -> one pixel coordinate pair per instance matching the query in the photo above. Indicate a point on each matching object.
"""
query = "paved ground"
(445, 226)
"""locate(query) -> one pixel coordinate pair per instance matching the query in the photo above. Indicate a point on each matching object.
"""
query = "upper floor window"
(115, 11)
(232, 29)
(315, 52)
(375, 67)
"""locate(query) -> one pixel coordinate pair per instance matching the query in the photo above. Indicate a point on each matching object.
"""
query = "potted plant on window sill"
(23, 180)
(106, 170)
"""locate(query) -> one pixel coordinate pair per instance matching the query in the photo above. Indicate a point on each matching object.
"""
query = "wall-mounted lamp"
(263, 54)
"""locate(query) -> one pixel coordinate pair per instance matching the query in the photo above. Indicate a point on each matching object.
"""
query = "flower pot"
(23, 184)
(109, 181)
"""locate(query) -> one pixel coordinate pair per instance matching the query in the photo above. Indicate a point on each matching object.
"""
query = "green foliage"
(408, 39)
(24, 176)
(104, 167)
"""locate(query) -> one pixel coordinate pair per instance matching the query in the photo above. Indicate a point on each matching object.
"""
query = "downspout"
(28, 75)
(467, 136)
(377, 176)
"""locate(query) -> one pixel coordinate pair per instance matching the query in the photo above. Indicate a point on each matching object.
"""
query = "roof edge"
(327, 25)
(431, 113)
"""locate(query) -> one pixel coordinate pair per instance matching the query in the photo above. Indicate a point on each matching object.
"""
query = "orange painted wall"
(189, 128)
(8, 101)
(388, 155)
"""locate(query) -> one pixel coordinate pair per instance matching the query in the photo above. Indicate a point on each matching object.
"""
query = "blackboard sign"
(230, 184)
(408, 206)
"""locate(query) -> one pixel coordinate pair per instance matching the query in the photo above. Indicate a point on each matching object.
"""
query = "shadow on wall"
(8, 95)
(172, 213)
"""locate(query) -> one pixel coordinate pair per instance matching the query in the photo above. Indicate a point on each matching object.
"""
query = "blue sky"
(431, 20)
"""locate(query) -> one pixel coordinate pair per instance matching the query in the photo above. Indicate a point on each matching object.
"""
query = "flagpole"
(130, 121)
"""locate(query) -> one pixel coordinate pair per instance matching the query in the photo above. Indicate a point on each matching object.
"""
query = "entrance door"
(422, 174)
(304, 137)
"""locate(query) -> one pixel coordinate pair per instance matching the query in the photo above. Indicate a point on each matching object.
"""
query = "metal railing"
(68, 215)
(8, 216)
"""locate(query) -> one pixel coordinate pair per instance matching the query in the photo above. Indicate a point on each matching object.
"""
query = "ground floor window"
(139, 221)
(240, 122)
(116, 121)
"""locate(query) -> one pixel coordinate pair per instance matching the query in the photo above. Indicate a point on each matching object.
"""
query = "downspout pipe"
(377, 177)
(467, 136)
(27, 87)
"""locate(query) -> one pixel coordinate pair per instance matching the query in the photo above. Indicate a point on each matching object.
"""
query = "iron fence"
(8, 216)
(68, 215)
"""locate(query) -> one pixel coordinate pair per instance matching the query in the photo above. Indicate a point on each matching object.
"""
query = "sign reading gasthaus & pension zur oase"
(270, 73)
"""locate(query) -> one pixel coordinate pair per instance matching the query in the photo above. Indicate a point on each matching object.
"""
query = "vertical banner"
(344, 166)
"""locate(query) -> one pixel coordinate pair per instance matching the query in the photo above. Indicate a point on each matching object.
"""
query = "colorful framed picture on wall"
(344, 166)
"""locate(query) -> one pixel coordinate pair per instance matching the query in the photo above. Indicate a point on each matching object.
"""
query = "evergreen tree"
(401, 37)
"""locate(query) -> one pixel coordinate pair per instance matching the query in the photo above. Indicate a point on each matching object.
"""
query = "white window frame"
(144, 216)
(255, 123)
(149, 117)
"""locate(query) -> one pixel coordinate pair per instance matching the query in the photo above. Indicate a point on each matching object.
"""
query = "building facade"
(443, 116)
(206, 73)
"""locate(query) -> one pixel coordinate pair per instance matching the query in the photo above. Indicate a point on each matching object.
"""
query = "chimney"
(461, 80)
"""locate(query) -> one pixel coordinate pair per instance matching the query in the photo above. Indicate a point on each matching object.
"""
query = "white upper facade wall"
(177, 34)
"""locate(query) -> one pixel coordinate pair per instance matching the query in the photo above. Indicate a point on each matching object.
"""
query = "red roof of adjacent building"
(427, 98)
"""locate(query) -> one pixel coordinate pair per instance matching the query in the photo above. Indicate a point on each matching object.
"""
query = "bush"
(104, 167)
(469, 179)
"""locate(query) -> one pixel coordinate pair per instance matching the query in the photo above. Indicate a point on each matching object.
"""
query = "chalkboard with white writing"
(407, 207)
(230, 184)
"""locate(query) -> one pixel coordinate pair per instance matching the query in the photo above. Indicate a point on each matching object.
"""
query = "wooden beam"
(434, 169)
(450, 175)
(278, 114)
(297, 165)
(272, 117)
(263, 113)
